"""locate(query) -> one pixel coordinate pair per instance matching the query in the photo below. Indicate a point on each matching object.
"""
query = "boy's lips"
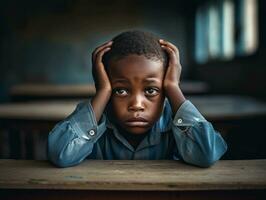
(137, 121)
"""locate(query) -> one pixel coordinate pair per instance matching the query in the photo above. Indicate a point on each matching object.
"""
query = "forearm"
(99, 102)
(197, 141)
(66, 148)
(175, 96)
(72, 139)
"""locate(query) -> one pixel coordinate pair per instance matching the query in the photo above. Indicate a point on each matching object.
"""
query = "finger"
(99, 65)
(173, 58)
(98, 59)
(99, 56)
(95, 52)
(107, 44)
(172, 46)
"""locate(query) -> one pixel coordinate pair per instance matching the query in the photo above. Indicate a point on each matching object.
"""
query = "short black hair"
(135, 42)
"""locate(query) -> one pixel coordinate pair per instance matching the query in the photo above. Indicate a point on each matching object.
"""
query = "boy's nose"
(136, 104)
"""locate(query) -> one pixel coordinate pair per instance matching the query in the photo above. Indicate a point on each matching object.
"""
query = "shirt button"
(179, 121)
(92, 132)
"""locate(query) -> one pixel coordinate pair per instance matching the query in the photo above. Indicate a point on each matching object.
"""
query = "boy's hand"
(173, 72)
(172, 76)
(102, 82)
(100, 76)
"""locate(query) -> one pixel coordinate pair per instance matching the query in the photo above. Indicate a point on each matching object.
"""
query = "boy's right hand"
(100, 76)
(102, 82)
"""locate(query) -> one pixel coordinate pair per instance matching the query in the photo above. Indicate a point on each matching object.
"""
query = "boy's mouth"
(137, 121)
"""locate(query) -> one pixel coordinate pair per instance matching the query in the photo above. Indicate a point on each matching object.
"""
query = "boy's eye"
(151, 91)
(120, 91)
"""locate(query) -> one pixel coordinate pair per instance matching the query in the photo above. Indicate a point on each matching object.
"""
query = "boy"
(138, 111)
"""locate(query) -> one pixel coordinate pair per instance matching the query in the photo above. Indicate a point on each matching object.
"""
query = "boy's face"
(138, 98)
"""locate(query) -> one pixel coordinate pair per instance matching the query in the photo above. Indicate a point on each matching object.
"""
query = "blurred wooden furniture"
(24, 127)
(241, 120)
(133, 179)
(27, 92)
(228, 107)
(213, 107)
(39, 110)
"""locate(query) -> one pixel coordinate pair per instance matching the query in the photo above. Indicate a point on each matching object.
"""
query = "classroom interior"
(45, 66)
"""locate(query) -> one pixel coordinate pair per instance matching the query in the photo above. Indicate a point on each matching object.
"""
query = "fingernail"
(161, 40)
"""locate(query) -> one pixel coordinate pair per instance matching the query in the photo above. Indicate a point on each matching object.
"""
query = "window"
(225, 29)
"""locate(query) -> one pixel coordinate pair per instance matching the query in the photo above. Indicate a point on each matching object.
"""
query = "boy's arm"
(102, 83)
(198, 143)
(172, 76)
(72, 140)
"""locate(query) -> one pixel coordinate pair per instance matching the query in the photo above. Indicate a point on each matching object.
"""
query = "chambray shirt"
(187, 136)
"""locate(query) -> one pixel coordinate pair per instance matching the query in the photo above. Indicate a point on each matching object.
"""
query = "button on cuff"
(92, 132)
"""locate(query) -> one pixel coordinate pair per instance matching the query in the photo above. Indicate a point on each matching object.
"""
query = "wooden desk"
(48, 91)
(228, 107)
(133, 179)
(39, 110)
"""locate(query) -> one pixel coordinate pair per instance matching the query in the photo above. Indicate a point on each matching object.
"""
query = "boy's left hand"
(172, 76)
(173, 71)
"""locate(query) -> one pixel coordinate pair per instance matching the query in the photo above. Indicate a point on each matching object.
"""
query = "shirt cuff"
(84, 122)
(187, 115)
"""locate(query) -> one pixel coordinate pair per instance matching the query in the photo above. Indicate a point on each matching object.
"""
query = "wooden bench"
(133, 179)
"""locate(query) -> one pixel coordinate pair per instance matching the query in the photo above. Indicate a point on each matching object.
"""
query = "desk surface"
(228, 107)
(212, 107)
(143, 175)
(41, 110)
(52, 90)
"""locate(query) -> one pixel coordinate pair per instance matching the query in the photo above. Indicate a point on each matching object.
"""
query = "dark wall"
(51, 41)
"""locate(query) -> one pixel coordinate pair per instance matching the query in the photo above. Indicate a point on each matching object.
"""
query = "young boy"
(138, 111)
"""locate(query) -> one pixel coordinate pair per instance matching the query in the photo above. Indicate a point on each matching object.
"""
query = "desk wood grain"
(134, 175)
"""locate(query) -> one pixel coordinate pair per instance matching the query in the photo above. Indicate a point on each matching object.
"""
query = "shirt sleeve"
(197, 141)
(72, 139)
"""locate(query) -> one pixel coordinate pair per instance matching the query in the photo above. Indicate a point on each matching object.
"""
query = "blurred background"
(45, 63)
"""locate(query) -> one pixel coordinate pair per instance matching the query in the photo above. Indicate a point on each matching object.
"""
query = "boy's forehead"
(135, 64)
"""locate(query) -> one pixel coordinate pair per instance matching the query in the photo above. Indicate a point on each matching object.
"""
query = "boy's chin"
(137, 130)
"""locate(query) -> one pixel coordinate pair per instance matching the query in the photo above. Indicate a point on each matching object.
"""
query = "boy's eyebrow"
(151, 80)
(120, 80)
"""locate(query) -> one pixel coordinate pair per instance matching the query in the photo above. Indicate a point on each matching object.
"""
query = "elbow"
(55, 159)
(202, 159)
(203, 162)
(59, 161)
(55, 156)
(207, 162)
(210, 157)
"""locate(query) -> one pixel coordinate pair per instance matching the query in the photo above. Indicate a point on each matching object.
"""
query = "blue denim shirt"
(187, 136)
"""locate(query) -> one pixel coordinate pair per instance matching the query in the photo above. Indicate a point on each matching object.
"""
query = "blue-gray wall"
(51, 41)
